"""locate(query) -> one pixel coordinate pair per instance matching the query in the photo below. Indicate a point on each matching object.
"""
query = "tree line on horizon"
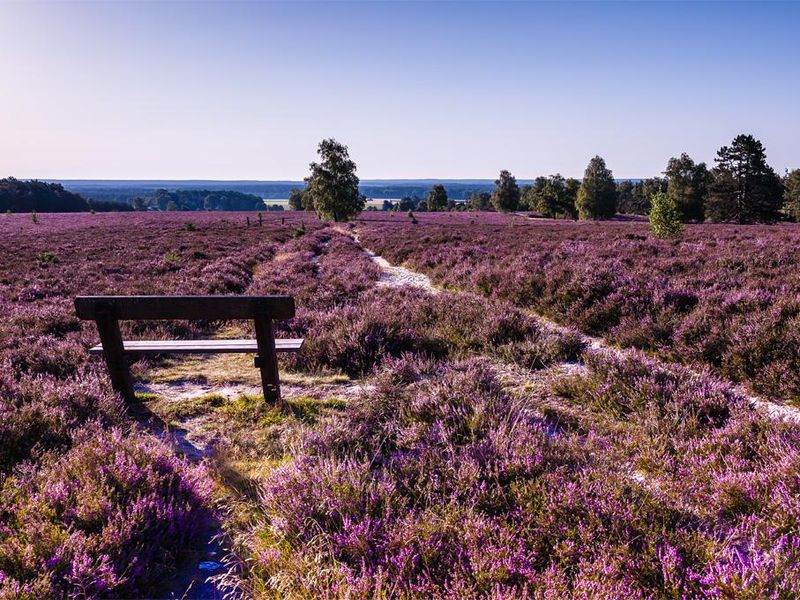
(17, 195)
(208, 200)
(740, 188)
(40, 196)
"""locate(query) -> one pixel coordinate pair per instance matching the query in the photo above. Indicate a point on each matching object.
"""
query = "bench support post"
(267, 360)
(114, 353)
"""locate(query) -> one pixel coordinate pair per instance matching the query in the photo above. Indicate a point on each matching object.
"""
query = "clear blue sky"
(450, 90)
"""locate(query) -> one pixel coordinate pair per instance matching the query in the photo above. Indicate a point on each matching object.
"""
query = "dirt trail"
(398, 276)
(394, 276)
(593, 344)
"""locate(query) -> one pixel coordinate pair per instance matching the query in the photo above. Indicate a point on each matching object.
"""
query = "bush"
(665, 218)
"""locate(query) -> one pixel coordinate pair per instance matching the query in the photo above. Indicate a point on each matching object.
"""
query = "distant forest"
(40, 196)
(127, 191)
(198, 200)
(28, 196)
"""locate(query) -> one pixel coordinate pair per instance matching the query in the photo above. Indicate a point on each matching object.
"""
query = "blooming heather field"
(725, 296)
(438, 442)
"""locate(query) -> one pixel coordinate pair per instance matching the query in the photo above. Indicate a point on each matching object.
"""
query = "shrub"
(451, 484)
(46, 257)
(106, 518)
(665, 217)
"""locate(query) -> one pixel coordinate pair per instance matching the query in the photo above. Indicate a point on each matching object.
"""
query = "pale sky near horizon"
(187, 90)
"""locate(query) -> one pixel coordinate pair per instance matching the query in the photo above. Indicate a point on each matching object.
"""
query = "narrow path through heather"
(398, 275)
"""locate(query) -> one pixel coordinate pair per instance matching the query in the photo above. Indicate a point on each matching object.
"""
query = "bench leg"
(267, 360)
(114, 353)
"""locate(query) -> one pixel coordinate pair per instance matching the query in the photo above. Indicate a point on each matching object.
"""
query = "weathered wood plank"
(201, 346)
(113, 351)
(267, 360)
(210, 308)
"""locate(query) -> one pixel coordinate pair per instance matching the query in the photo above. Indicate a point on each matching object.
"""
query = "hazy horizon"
(204, 91)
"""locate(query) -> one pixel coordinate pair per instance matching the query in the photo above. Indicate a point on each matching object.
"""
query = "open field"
(558, 410)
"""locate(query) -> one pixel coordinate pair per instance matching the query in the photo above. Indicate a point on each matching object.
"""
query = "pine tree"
(571, 188)
(333, 183)
(745, 188)
(597, 196)
(479, 201)
(506, 193)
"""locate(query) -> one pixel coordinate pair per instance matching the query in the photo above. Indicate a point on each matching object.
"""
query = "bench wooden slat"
(209, 308)
(201, 346)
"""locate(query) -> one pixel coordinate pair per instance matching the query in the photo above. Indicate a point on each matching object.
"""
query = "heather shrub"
(682, 301)
(635, 388)
(106, 518)
(89, 507)
(320, 271)
(389, 322)
(753, 573)
(543, 350)
(38, 413)
(450, 486)
(46, 355)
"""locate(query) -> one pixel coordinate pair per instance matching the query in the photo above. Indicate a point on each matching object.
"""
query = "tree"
(791, 194)
(552, 197)
(26, 196)
(665, 216)
(625, 197)
(333, 183)
(407, 204)
(479, 201)
(571, 188)
(437, 198)
(506, 193)
(597, 196)
(745, 189)
(687, 185)
(643, 192)
(296, 199)
(529, 194)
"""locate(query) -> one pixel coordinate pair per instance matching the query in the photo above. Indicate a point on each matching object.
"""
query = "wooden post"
(267, 359)
(114, 353)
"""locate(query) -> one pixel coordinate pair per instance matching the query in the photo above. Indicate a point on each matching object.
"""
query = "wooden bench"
(108, 311)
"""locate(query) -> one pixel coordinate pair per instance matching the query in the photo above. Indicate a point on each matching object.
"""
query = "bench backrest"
(210, 308)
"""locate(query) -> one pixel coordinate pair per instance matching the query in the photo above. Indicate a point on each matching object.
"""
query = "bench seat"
(200, 346)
